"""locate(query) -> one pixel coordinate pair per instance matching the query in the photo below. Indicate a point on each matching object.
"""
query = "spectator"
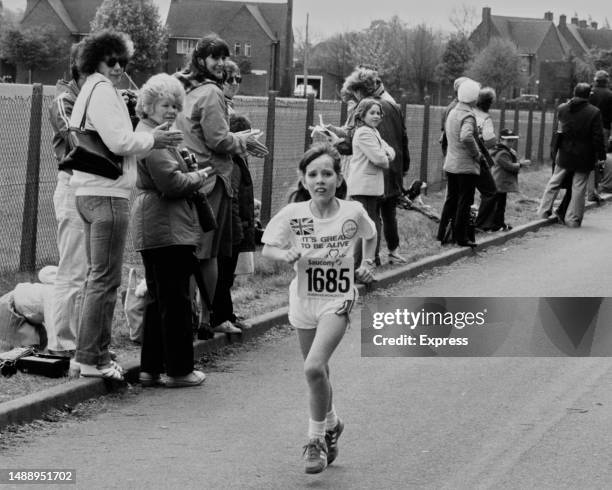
(505, 173)
(371, 154)
(462, 165)
(103, 202)
(243, 235)
(231, 84)
(601, 97)
(72, 266)
(485, 183)
(447, 109)
(364, 82)
(165, 232)
(579, 146)
(205, 125)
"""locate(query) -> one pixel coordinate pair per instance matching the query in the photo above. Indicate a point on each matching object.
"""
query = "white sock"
(316, 430)
(332, 419)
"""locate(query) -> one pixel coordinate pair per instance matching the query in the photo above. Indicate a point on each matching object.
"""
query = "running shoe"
(331, 438)
(315, 456)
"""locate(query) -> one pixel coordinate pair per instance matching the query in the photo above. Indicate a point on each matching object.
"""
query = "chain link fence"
(29, 168)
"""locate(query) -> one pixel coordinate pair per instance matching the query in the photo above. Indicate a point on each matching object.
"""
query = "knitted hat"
(458, 82)
(468, 91)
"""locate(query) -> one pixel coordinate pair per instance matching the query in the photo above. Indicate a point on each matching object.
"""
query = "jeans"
(71, 270)
(372, 206)
(167, 343)
(106, 223)
(550, 192)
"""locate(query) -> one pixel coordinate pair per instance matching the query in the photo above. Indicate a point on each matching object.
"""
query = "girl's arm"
(368, 142)
(364, 273)
(289, 255)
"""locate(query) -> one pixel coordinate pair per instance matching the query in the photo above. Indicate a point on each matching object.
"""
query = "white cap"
(468, 91)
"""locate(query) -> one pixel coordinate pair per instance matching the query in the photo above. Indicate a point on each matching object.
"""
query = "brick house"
(255, 32)
(537, 40)
(583, 36)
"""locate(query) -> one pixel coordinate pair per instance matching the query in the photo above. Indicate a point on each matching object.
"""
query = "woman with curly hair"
(103, 202)
(205, 124)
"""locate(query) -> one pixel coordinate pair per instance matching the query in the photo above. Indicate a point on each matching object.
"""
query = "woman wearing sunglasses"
(231, 84)
(101, 202)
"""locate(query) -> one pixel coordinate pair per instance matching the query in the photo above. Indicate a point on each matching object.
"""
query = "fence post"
(529, 141)
(542, 130)
(555, 115)
(343, 113)
(502, 116)
(516, 118)
(27, 259)
(268, 168)
(309, 121)
(425, 141)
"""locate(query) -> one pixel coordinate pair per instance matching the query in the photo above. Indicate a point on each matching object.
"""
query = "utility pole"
(287, 82)
(306, 60)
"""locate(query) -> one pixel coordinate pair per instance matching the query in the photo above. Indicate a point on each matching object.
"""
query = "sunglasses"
(113, 60)
(234, 79)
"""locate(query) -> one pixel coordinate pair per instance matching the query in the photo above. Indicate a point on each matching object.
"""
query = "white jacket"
(108, 115)
(371, 154)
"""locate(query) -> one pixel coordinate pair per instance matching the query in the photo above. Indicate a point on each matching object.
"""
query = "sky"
(327, 17)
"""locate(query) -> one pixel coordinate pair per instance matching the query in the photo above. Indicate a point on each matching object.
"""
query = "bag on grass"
(15, 330)
(134, 306)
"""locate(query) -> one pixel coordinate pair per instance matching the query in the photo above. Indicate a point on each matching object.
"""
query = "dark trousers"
(388, 213)
(459, 197)
(223, 307)
(499, 210)
(486, 186)
(372, 207)
(167, 343)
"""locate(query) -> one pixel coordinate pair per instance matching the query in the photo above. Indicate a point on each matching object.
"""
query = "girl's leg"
(317, 347)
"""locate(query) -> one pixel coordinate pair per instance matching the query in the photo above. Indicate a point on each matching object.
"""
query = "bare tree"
(464, 18)
(423, 54)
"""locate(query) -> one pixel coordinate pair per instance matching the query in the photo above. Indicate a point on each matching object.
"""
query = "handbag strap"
(82, 125)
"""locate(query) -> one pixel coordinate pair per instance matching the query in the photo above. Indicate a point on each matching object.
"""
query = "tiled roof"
(596, 38)
(60, 10)
(195, 18)
(527, 34)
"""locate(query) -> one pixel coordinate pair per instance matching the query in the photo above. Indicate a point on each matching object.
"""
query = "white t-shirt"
(318, 238)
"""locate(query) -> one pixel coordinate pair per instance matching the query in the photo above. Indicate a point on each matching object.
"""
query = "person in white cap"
(462, 165)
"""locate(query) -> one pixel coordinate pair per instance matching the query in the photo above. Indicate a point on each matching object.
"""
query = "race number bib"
(325, 278)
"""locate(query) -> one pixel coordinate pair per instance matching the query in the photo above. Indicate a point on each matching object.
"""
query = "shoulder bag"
(88, 153)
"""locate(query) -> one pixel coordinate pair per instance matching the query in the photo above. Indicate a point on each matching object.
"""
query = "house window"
(185, 46)
(247, 50)
(237, 49)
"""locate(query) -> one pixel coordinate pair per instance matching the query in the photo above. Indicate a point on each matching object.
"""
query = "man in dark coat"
(601, 97)
(579, 146)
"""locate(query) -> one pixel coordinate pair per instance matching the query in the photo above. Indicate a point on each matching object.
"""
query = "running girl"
(318, 234)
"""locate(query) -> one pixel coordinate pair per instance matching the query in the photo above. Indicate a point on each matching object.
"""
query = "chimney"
(575, 21)
(486, 14)
(594, 25)
(548, 16)
(562, 20)
(583, 24)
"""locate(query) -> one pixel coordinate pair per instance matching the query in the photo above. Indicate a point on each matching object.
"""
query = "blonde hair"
(161, 86)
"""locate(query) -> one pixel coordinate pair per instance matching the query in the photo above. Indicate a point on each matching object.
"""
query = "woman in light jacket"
(165, 229)
(461, 164)
(205, 124)
(102, 202)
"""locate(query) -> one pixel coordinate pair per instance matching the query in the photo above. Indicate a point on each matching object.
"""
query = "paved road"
(410, 423)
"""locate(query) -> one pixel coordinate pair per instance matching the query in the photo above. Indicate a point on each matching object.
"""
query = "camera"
(190, 158)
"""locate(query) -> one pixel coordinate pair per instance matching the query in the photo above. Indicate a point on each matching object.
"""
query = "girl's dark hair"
(99, 45)
(362, 109)
(238, 122)
(315, 151)
(209, 45)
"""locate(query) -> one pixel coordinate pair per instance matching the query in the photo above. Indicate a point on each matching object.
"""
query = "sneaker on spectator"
(241, 324)
(395, 257)
(331, 438)
(226, 327)
(315, 456)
